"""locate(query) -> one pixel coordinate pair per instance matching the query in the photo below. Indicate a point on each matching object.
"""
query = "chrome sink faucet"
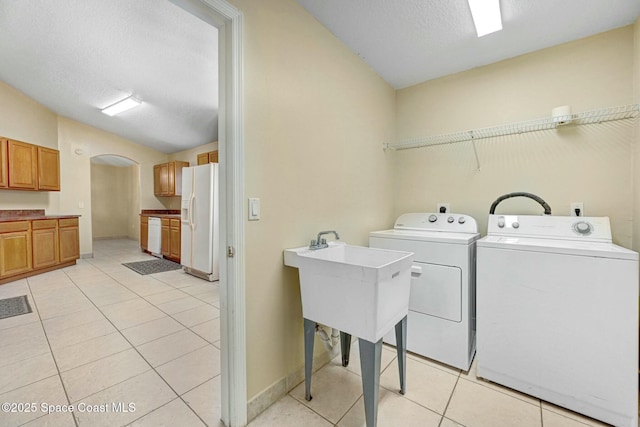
(320, 242)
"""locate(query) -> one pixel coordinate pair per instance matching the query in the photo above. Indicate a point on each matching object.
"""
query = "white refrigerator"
(199, 217)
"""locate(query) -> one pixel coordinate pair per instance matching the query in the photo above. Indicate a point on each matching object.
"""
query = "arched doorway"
(115, 197)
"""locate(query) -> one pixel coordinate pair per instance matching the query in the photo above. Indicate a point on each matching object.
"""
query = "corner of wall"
(635, 240)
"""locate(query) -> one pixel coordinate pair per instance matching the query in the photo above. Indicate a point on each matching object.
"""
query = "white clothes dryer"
(441, 320)
(558, 313)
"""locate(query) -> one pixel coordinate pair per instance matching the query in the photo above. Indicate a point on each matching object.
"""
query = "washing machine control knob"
(515, 225)
(433, 218)
(501, 223)
(461, 220)
(583, 227)
(450, 219)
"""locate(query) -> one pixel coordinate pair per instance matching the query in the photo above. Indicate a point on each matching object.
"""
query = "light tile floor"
(437, 396)
(102, 335)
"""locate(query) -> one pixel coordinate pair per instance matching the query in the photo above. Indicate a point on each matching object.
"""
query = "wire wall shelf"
(584, 118)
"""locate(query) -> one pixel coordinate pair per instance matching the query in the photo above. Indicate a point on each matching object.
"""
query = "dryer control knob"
(515, 225)
(433, 218)
(450, 219)
(461, 220)
(583, 227)
(501, 224)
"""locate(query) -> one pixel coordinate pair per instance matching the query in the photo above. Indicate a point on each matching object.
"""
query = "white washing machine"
(441, 320)
(558, 314)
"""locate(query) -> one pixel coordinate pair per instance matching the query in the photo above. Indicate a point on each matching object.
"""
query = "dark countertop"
(161, 213)
(29, 215)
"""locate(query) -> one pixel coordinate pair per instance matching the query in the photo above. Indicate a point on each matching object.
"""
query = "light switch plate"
(254, 209)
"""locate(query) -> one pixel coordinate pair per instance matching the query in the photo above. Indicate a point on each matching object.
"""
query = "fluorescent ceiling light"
(122, 105)
(486, 16)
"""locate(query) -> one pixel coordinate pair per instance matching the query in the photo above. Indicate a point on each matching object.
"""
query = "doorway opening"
(115, 197)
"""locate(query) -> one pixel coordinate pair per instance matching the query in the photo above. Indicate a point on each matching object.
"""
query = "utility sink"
(359, 290)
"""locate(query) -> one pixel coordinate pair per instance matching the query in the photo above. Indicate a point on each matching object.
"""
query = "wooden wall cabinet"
(44, 238)
(48, 169)
(4, 179)
(167, 178)
(209, 157)
(25, 166)
(15, 248)
(22, 161)
(144, 232)
(69, 239)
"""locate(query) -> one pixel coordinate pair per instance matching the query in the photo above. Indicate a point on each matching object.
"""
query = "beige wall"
(24, 119)
(315, 118)
(590, 164)
(112, 189)
(75, 175)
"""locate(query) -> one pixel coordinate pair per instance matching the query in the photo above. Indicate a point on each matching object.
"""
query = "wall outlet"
(443, 208)
(577, 209)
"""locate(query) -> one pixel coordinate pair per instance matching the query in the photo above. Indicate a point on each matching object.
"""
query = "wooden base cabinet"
(144, 232)
(165, 237)
(69, 240)
(15, 248)
(44, 238)
(171, 239)
(35, 246)
(174, 240)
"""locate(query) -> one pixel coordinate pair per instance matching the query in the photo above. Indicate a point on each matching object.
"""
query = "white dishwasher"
(155, 237)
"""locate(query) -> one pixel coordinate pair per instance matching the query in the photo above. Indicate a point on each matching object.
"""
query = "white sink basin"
(358, 290)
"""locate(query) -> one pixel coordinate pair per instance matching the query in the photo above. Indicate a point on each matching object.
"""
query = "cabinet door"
(166, 249)
(171, 179)
(156, 180)
(203, 158)
(15, 253)
(144, 232)
(164, 179)
(69, 244)
(177, 177)
(4, 182)
(175, 239)
(45, 247)
(22, 165)
(48, 169)
(213, 156)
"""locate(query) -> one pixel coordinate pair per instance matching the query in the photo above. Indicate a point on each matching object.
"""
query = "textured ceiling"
(411, 41)
(78, 56)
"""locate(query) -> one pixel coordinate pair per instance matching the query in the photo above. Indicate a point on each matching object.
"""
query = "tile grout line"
(44, 331)
(178, 396)
(446, 407)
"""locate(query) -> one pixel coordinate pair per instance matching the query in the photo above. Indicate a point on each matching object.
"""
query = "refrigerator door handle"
(191, 205)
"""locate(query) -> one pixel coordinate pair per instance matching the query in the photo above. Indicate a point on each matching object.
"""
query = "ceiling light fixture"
(122, 105)
(486, 16)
